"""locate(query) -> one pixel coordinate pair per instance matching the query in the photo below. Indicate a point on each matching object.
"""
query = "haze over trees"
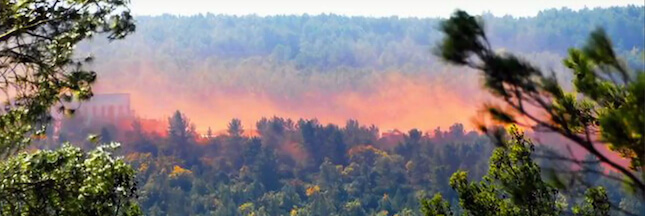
(331, 67)
(225, 66)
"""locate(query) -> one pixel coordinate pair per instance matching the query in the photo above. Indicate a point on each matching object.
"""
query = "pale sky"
(402, 8)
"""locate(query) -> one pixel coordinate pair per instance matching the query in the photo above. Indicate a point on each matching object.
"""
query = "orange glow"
(392, 100)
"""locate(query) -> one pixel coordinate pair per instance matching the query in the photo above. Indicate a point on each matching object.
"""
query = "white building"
(110, 107)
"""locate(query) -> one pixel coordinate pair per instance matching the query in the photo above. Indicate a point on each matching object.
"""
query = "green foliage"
(436, 206)
(596, 203)
(37, 40)
(39, 71)
(513, 186)
(68, 182)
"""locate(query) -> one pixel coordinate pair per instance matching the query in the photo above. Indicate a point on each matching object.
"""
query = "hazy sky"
(404, 8)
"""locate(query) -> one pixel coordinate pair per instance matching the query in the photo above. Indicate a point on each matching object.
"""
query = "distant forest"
(296, 164)
(291, 64)
(329, 42)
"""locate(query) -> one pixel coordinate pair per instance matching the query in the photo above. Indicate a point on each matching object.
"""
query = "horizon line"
(403, 16)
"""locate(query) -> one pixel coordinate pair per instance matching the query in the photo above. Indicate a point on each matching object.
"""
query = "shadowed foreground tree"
(605, 109)
(37, 72)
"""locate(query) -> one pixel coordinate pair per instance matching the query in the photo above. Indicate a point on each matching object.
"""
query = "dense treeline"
(301, 167)
(284, 166)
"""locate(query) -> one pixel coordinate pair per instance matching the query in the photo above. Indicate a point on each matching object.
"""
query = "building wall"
(106, 107)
